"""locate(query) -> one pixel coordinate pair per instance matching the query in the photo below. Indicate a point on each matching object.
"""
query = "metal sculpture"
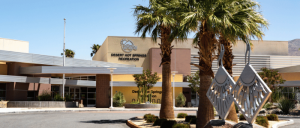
(219, 92)
(127, 45)
(250, 92)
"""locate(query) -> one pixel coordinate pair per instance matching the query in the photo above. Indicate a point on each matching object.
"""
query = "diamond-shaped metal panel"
(250, 92)
(219, 92)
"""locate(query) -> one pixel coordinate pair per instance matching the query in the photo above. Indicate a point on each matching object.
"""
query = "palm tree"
(207, 18)
(95, 48)
(245, 23)
(70, 53)
(159, 22)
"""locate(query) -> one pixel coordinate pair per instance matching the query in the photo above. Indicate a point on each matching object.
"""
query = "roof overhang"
(10, 56)
(290, 84)
(79, 70)
(158, 84)
(291, 69)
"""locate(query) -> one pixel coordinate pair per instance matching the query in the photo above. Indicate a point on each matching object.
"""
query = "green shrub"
(135, 102)
(262, 120)
(168, 124)
(285, 105)
(267, 105)
(45, 96)
(189, 118)
(68, 98)
(180, 100)
(158, 122)
(241, 117)
(151, 119)
(273, 117)
(193, 121)
(181, 115)
(146, 115)
(181, 126)
(57, 97)
(118, 99)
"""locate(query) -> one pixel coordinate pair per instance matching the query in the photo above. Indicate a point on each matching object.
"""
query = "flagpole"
(64, 58)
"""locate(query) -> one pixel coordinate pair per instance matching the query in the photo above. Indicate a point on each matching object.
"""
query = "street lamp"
(173, 74)
(111, 86)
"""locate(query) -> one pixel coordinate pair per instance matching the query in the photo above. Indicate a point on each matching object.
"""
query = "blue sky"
(90, 21)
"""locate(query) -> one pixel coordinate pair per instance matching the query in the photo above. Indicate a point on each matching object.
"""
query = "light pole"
(111, 86)
(64, 50)
(173, 74)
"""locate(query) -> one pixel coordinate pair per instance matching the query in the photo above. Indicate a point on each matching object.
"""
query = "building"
(24, 76)
(146, 54)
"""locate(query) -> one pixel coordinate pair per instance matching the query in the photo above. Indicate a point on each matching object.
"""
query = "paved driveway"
(296, 122)
(109, 119)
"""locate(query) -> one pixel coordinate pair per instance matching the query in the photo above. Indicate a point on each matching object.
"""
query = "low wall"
(142, 105)
(3, 104)
(41, 104)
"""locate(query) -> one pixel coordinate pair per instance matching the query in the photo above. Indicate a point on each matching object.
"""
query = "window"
(2, 91)
(54, 91)
(31, 95)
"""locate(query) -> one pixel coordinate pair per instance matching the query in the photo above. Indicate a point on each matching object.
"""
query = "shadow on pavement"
(105, 121)
(108, 121)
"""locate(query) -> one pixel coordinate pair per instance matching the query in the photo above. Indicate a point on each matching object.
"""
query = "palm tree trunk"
(227, 62)
(166, 110)
(206, 48)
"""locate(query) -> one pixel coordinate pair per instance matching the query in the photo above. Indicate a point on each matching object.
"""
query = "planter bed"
(41, 104)
(142, 105)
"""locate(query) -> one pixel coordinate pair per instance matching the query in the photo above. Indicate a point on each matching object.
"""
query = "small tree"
(194, 81)
(144, 82)
(95, 48)
(180, 100)
(69, 53)
(272, 78)
(118, 99)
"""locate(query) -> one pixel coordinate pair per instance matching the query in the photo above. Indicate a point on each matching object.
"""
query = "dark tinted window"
(92, 89)
(30, 94)
(2, 93)
(2, 86)
(91, 95)
(54, 88)
(91, 102)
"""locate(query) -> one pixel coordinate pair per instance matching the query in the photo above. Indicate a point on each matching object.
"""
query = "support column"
(102, 91)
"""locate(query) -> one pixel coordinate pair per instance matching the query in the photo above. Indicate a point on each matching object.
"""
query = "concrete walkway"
(24, 110)
(295, 118)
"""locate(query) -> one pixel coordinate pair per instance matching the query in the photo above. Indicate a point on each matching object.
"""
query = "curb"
(289, 122)
(85, 110)
(131, 125)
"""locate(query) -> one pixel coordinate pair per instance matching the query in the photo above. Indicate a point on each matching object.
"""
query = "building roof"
(9, 56)
(79, 70)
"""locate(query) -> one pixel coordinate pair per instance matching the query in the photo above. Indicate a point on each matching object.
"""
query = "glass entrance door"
(74, 93)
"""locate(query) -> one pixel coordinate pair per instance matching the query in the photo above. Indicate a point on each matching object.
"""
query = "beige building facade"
(14, 45)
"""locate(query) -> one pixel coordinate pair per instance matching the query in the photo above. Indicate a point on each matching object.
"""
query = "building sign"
(154, 93)
(127, 45)
(129, 57)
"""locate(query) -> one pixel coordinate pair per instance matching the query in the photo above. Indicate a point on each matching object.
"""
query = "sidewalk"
(24, 110)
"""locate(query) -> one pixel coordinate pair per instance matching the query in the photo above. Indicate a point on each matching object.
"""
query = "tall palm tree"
(70, 53)
(244, 24)
(95, 48)
(207, 18)
(159, 22)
